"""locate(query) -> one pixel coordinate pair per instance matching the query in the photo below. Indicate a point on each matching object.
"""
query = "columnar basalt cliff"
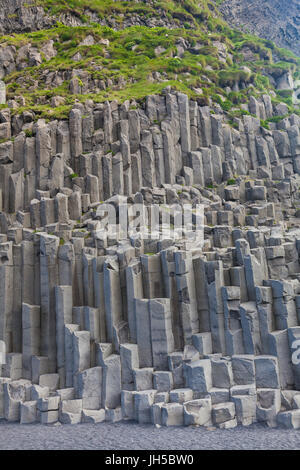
(161, 330)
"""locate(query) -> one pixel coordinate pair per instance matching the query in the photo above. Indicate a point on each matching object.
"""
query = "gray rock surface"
(277, 20)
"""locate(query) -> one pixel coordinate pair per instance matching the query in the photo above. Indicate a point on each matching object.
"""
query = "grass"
(131, 57)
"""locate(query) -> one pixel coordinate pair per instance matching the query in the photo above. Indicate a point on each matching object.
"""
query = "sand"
(131, 436)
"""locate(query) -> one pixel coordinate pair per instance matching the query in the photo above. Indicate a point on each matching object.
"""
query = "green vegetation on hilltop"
(184, 10)
(137, 61)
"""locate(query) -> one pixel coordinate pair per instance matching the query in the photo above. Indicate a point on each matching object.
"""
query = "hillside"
(120, 50)
(277, 20)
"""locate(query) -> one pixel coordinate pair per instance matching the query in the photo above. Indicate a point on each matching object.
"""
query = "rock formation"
(162, 329)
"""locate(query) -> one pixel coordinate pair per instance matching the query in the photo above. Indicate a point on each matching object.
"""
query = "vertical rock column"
(126, 156)
(215, 280)
(143, 332)
(111, 381)
(75, 125)
(169, 151)
(31, 322)
(16, 196)
(87, 131)
(152, 276)
(194, 125)
(148, 160)
(254, 274)
(98, 276)
(250, 326)
(28, 272)
(69, 354)
(5, 172)
(63, 307)
(66, 264)
(43, 154)
(37, 269)
(185, 127)
(201, 294)
(98, 171)
(134, 286)
(6, 294)
(195, 162)
(112, 293)
(170, 288)
(264, 302)
(134, 129)
(63, 139)
(107, 123)
(159, 156)
(48, 279)
(204, 126)
(16, 191)
(161, 332)
(251, 128)
(187, 295)
(17, 299)
(88, 255)
(81, 351)
(78, 244)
